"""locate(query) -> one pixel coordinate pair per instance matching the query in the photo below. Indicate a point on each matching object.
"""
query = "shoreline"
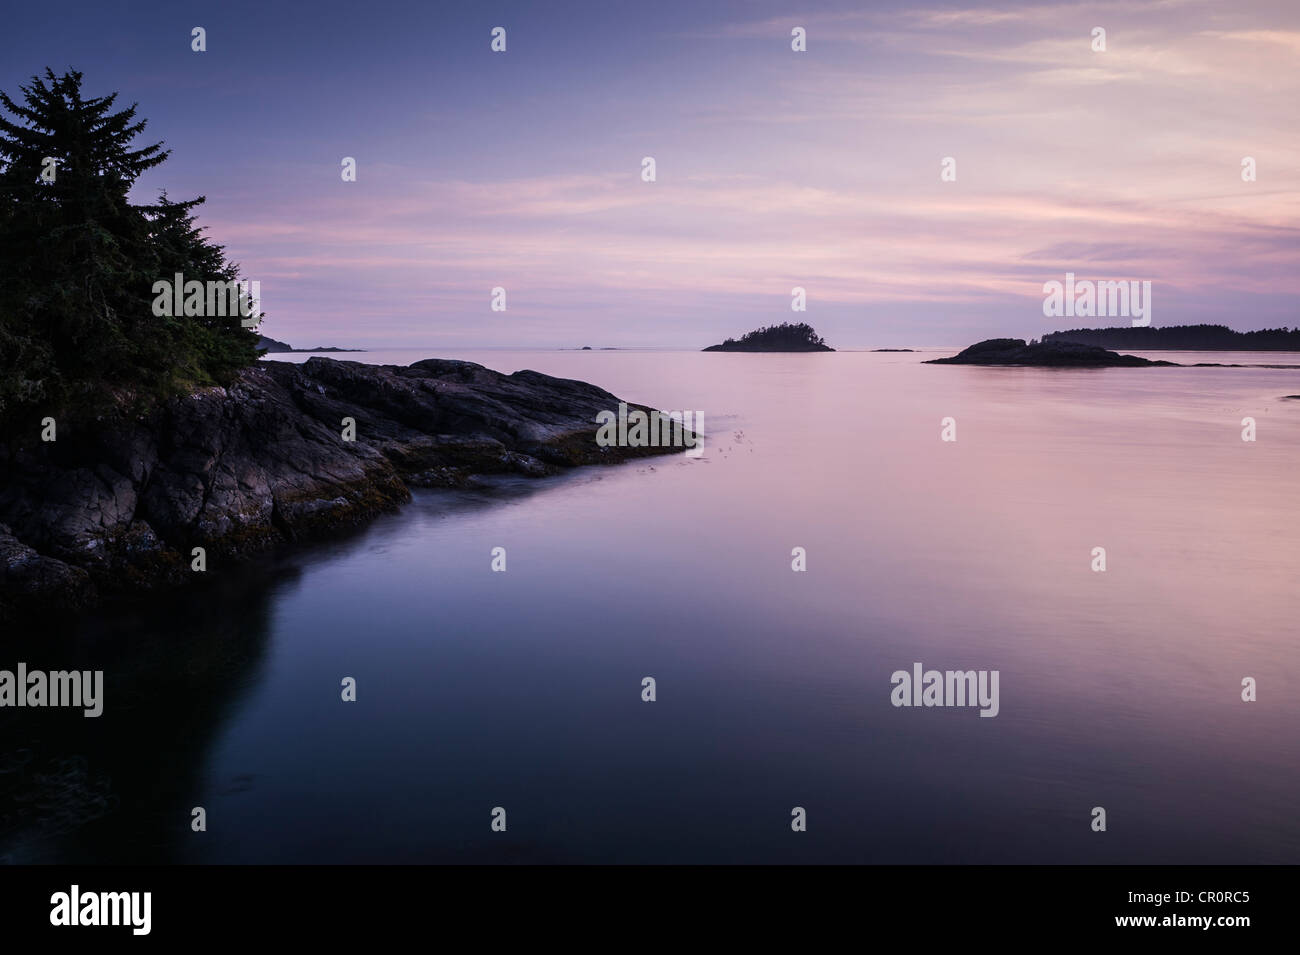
(287, 453)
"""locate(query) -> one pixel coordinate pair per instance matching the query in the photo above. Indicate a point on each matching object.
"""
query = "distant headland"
(1182, 338)
(270, 345)
(776, 338)
(1053, 354)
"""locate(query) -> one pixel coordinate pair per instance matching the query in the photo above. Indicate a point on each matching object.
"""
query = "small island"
(776, 338)
(895, 349)
(1046, 354)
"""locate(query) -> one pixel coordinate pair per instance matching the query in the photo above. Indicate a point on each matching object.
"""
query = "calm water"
(522, 690)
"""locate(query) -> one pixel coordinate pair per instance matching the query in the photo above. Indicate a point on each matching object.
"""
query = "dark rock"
(120, 505)
(1049, 354)
(31, 583)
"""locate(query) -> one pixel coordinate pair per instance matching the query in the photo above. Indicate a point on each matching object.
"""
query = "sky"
(819, 169)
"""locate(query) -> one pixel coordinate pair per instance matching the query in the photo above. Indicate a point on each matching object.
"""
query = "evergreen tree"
(78, 261)
(787, 334)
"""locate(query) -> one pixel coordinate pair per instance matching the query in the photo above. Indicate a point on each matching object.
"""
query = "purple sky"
(774, 168)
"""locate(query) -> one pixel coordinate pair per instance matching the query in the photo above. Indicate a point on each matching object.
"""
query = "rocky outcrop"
(30, 580)
(119, 505)
(1047, 354)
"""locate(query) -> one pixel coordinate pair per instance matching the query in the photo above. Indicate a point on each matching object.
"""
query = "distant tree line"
(78, 261)
(1183, 338)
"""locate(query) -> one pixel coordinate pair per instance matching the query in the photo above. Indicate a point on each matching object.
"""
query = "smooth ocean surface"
(522, 689)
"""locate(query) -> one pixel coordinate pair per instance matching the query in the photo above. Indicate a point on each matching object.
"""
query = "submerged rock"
(119, 506)
(1048, 354)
